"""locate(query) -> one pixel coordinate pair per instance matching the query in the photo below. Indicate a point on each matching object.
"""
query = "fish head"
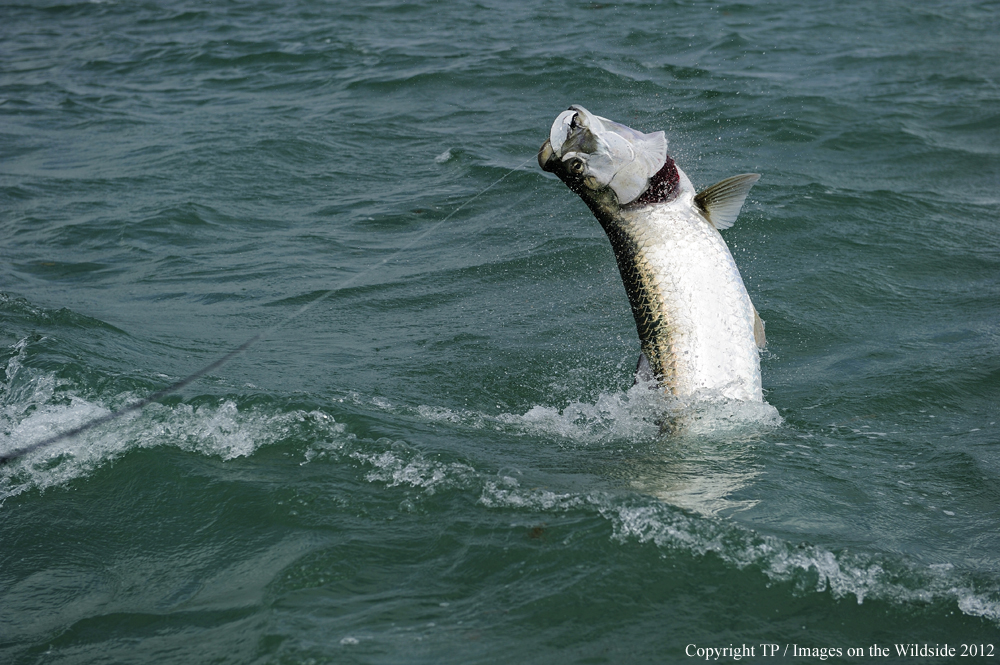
(596, 157)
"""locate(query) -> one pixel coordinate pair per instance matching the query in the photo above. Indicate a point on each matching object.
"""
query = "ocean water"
(442, 460)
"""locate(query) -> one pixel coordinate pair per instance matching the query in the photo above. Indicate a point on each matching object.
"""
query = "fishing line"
(242, 348)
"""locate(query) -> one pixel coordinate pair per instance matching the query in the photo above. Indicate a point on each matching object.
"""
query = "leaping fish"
(698, 331)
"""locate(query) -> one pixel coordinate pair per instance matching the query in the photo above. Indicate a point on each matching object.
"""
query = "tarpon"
(699, 333)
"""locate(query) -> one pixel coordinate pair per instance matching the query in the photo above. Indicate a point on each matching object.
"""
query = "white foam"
(401, 465)
(505, 492)
(33, 408)
(809, 568)
(633, 415)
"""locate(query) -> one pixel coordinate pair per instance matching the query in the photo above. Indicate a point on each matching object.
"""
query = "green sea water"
(443, 460)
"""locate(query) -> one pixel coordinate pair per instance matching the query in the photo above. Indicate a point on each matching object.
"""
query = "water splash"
(634, 415)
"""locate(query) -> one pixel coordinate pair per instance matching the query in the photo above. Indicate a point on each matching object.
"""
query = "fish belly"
(700, 340)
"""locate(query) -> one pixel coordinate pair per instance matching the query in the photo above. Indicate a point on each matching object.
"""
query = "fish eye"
(575, 166)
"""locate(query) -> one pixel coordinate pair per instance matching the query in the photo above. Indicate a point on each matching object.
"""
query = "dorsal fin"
(722, 201)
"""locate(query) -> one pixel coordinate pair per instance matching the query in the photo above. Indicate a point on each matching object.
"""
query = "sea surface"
(434, 452)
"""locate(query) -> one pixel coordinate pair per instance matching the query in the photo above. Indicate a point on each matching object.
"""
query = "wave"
(637, 518)
(36, 405)
(680, 519)
(653, 507)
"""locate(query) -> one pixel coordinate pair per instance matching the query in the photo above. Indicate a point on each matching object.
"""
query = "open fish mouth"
(596, 152)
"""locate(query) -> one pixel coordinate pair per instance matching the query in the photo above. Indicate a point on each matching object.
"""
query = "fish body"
(698, 331)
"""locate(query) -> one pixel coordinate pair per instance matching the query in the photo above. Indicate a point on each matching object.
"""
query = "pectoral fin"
(643, 371)
(758, 330)
(721, 202)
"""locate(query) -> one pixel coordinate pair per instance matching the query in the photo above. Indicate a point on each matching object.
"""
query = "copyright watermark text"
(910, 650)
